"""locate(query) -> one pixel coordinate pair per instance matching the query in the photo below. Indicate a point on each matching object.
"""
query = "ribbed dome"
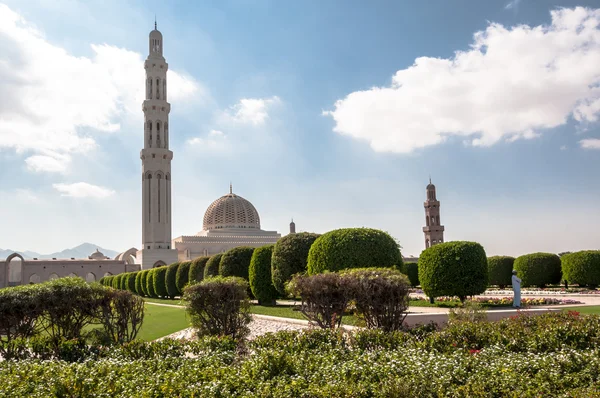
(231, 211)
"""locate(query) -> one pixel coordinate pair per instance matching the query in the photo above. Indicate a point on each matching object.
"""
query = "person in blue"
(516, 285)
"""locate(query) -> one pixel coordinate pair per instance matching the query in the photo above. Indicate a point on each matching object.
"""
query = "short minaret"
(433, 230)
(156, 161)
(292, 227)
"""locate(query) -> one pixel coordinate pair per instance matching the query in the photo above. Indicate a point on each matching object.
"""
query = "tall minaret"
(156, 162)
(292, 227)
(434, 231)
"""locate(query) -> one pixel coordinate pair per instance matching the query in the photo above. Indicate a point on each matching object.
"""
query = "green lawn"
(160, 321)
(591, 309)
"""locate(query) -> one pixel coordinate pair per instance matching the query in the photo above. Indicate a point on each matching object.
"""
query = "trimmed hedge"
(171, 280)
(290, 256)
(260, 275)
(196, 273)
(236, 262)
(123, 281)
(353, 248)
(183, 275)
(144, 278)
(412, 271)
(160, 281)
(130, 283)
(114, 283)
(150, 283)
(212, 266)
(138, 283)
(453, 269)
(582, 267)
(500, 270)
(538, 269)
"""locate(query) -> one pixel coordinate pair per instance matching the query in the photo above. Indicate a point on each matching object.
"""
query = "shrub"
(353, 248)
(150, 283)
(380, 295)
(582, 267)
(500, 270)
(143, 281)
(183, 275)
(196, 273)
(260, 276)
(324, 298)
(212, 266)
(453, 269)
(123, 281)
(131, 281)
(290, 256)
(138, 283)
(121, 316)
(236, 262)
(219, 306)
(412, 271)
(116, 282)
(538, 269)
(171, 280)
(160, 281)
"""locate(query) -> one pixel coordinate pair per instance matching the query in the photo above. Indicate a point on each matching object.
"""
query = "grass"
(592, 309)
(160, 321)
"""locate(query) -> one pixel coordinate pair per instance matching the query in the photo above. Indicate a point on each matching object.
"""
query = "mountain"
(78, 252)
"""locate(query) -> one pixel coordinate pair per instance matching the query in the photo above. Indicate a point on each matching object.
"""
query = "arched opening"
(432, 220)
(107, 274)
(72, 275)
(53, 276)
(437, 220)
(149, 133)
(149, 88)
(90, 277)
(159, 263)
(157, 88)
(35, 278)
(427, 220)
(14, 269)
(129, 256)
(158, 145)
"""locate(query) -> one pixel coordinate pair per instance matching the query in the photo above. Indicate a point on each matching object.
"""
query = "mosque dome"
(97, 255)
(231, 211)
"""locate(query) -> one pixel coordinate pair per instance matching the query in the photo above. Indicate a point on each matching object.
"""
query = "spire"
(430, 178)
(155, 25)
(230, 188)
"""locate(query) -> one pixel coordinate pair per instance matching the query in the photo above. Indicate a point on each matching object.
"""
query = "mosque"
(229, 221)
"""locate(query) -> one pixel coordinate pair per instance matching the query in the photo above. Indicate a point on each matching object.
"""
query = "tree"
(236, 262)
(500, 270)
(196, 273)
(183, 275)
(212, 266)
(582, 267)
(538, 269)
(260, 276)
(171, 280)
(290, 256)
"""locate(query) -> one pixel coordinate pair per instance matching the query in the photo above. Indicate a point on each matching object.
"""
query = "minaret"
(156, 161)
(433, 230)
(292, 227)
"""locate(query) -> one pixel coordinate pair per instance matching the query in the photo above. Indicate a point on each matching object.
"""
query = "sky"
(332, 113)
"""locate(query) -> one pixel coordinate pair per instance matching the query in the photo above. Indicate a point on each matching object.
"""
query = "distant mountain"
(78, 252)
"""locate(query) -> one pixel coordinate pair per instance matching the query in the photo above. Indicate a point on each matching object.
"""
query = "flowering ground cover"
(451, 302)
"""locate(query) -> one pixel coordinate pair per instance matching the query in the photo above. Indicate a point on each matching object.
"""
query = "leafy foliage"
(212, 266)
(582, 267)
(236, 262)
(121, 315)
(159, 278)
(453, 269)
(183, 275)
(219, 306)
(412, 271)
(500, 270)
(138, 283)
(196, 273)
(131, 281)
(260, 275)
(538, 269)
(150, 283)
(171, 280)
(144, 282)
(290, 256)
(353, 248)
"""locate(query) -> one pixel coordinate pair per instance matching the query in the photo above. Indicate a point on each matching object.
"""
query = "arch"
(167, 176)
(148, 175)
(129, 256)
(159, 263)
(432, 220)
(35, 278)
(72, 275)
(107, 274)
(149, 126)
(53, 276)
(14, 274)
(157, 88)
(90, 277)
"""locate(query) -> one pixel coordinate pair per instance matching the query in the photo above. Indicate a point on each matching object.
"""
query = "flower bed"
(495, 301)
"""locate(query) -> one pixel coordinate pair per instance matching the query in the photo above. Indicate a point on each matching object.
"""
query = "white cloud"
(214, 140)
(590, 143)
(563, 148)
(83, 190)
(513, 83)
(513, 4)
(253, 111)
(53, 101)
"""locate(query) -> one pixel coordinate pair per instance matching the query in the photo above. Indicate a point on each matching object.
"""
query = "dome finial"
(430, 178)
(155, 25)
(230, 187)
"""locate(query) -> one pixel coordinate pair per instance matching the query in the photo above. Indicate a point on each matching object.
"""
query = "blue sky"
(333, 113)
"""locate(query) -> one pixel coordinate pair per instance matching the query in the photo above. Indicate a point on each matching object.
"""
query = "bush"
(143, 281)
(290, 256)
(236, 262)
(160, 281)
(582, 267)
(538, 269)
(183, 275)
(138, 283)
(500, 270)
(123, 281)
(412, 271)
(150, 283)
(219, 306)
(116, 281)
(260, 276)
(197, 269)
(131, 281)
(212, 266)
(453, 269)
(121, 316)
(171, 280)
(380, 295)
(353, 248)
(324, 297)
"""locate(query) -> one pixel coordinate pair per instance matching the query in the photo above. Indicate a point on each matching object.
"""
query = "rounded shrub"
(353, 248)
(160, 281)
(183, 275)
(290, 256)
(196, 273)
(453, 269)
(212, 266)
(171, 280)
(144, 278)
(130, 281)
(582, 267)
(500, 270)
(123, 281)
(260, 276)
(150, 283)
(138, 283)
(116, 282)
(412, 271)
(236, 262)
(538, 269)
